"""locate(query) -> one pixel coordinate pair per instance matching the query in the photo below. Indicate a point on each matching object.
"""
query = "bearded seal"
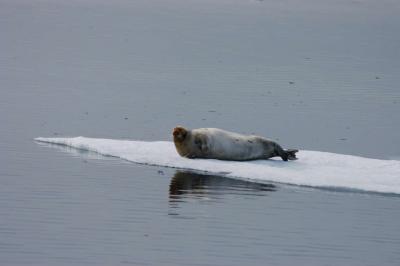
(214, 143)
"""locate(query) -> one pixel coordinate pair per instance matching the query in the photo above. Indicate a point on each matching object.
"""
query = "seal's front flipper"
(291, 154)
(201, 143)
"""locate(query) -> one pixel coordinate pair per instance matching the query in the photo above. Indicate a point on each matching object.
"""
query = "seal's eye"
(183, 133)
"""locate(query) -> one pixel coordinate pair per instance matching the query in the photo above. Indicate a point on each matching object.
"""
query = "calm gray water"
(317, 75)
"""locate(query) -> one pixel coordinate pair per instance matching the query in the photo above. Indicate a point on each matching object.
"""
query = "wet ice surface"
(317, 76)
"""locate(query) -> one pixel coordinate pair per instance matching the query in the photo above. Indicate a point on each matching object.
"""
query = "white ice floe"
(313, 168)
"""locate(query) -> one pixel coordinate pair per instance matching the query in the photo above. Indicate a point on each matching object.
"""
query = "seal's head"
(182, 141)
(180, 134)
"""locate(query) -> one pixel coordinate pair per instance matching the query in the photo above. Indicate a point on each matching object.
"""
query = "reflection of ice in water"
(87, 154)
(317, 169)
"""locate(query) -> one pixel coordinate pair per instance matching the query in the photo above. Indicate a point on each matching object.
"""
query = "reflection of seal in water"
(214, 143)
(188, 183)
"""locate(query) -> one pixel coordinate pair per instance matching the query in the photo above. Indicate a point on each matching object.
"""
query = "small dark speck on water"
(223, 173)
(86, 113)
(343, 139)
(212, 111)
(203, 119)
(160, 172)
(126, 118)
(291, 82)
(377, 77)
(55, 134)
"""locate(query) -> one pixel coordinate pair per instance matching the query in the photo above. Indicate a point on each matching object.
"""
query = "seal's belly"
(227, 147)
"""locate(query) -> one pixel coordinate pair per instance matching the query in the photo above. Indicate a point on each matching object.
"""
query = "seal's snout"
(179, 133)
(175, 133)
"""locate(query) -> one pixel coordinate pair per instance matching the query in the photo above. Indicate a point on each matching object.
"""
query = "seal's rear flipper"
(291, 154)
